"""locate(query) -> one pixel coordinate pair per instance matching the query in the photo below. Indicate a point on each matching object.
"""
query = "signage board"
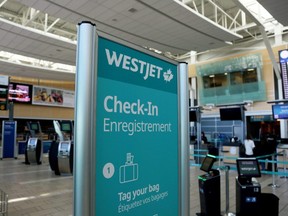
(47, 96)
(137, 144)
(9, 129)
(283, 58)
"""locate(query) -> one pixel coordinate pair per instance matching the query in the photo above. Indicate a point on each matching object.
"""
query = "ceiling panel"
(166, 25)
(11, 69)
(31, 44)
(278, 9)
(184, 36)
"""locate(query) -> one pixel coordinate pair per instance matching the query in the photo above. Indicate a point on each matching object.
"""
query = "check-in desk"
(247, 197)
(230, 149)
(210, 194)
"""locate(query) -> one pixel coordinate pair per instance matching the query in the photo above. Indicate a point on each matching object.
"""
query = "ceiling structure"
(44, 32)
(278, 9)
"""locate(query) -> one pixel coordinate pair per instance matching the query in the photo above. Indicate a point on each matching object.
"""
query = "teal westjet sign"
(137, 157)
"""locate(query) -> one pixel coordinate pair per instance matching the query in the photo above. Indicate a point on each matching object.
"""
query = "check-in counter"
(230, 149)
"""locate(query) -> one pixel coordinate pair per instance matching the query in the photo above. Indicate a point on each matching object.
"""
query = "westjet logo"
(135, 65)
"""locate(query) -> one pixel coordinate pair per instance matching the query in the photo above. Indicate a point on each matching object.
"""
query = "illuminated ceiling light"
(228, 42)
(211, 76)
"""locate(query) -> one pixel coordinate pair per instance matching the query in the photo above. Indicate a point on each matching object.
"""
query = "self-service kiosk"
(61, 151)
(65, 157)
(34, 152)
(34, 147)
(209, 188)
(249, 199)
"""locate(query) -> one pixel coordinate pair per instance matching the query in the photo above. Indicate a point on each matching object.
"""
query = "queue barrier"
(262, 159)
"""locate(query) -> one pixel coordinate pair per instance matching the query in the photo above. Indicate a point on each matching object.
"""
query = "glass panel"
(217, 80)
(250, 75)
(236, 78)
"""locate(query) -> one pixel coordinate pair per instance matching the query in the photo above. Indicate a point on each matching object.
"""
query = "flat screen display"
(21, 93)
(34, 126)
(280, 111)
(248, 167)
(207, 163)
(231, 113)
(192, 116)
(66, 126)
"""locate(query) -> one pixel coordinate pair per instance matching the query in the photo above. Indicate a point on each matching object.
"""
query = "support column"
(84, 136)
(184, 136)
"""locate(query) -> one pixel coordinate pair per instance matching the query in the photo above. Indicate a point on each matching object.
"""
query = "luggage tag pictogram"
(129, 171)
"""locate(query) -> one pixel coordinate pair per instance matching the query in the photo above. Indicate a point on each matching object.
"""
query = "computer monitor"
(66, 126)
(280, 111)
(192, 116)
(34, 126)
(231, 113)
(248, 167)
(207, 163)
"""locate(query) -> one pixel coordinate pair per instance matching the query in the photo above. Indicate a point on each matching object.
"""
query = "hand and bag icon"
(129, 171)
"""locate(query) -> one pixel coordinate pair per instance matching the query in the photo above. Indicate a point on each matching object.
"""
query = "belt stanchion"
(219, 155)
(284, 164)
(227, 168)
(199, 155)
(273, 184)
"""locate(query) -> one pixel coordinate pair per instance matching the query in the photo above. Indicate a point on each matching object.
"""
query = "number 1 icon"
(108, 170)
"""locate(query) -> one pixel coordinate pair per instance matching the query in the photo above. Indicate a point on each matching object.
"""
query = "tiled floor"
(34, 190)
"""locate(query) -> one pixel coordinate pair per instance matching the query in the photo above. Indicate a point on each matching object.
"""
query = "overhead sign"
(137, 157)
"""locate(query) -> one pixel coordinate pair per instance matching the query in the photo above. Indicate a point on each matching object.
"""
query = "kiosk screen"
(33, 141)
(64, 146)
(248, 167)
(66, 126)
(34, 126)
(207, 163)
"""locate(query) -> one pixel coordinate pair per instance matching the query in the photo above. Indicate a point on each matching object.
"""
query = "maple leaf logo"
(168, 76)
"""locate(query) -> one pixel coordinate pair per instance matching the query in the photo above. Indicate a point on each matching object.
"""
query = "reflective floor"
(34, 190)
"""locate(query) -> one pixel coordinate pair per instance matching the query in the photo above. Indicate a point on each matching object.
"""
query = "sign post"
(134, 133)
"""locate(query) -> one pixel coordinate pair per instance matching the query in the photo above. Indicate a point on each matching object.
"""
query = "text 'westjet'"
(137, 66)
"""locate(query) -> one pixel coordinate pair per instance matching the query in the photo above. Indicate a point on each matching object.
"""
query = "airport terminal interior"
(218, 147)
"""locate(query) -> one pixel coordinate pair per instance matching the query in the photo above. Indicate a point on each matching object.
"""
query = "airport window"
(242, 77)
(216, 80)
